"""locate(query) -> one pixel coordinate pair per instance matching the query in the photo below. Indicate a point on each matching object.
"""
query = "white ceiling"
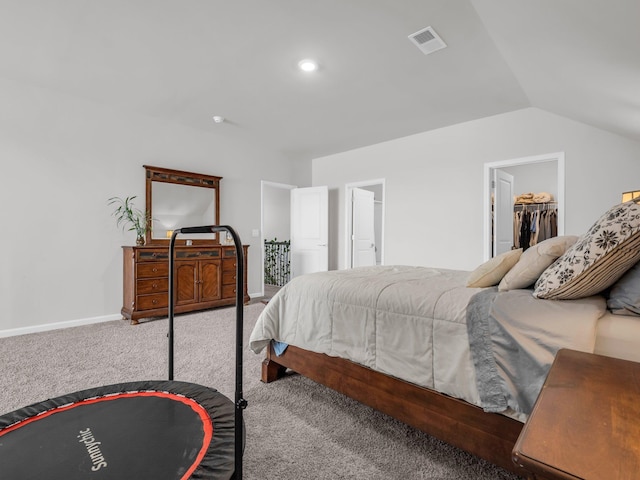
(187, 60)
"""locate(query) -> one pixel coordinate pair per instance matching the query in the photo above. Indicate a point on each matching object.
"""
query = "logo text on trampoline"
(93, 449)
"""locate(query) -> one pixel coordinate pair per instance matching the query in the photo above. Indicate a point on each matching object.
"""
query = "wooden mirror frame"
(166, 175)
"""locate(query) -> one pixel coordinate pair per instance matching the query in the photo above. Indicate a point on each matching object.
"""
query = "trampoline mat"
(160, 430)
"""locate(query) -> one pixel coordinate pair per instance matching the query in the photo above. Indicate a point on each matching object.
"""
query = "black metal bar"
(172, 244)
(240, 402)
(206, 229)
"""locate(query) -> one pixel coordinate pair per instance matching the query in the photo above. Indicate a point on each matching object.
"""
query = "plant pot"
(139, 240)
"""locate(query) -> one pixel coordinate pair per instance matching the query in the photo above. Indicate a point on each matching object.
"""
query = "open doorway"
(545, 169)
(294, 233)
(353, 221)
(275, 233)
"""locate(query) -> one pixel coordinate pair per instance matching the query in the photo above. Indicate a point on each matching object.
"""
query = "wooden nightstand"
(586, 421)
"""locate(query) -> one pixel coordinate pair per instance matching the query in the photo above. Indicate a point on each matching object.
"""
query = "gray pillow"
(624, 297)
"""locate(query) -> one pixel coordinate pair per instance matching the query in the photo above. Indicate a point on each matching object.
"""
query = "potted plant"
(128, 215)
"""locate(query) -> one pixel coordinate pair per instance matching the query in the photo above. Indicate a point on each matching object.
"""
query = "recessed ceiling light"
(308, 65)
(218, 119)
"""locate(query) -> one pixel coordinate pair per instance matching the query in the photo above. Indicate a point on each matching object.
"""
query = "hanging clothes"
(534, 223)
(525, 230)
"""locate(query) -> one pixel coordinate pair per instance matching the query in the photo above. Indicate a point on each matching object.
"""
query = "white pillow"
(491, 272)
(534, 261)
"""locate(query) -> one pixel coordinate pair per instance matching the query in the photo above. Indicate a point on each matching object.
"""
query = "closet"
(538, 173)
(535, 207)
(533, 223)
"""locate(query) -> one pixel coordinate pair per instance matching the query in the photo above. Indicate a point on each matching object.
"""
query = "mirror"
(176, 199)
(176, 206)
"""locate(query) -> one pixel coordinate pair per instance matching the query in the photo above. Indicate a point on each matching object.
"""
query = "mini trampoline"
(159, 430)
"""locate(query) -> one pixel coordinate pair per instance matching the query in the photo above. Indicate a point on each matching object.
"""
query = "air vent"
(427, 40)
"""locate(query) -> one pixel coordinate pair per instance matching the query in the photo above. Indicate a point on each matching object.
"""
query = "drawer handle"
(154, 270)
(154, 301)
(154, 254)
(155, 285)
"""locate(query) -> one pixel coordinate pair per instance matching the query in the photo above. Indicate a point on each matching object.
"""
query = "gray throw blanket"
(514, 337)
(491, 388)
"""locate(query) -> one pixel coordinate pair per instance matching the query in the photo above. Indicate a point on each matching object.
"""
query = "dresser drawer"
(229, 270)
(152, 285)
(148, 255)
(151, 270)
(229, 278)
(196, 254)
(229, 252)
(229, 265)
(149, 302)
(228, 291)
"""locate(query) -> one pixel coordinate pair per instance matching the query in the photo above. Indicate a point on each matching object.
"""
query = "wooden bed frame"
(490, 436)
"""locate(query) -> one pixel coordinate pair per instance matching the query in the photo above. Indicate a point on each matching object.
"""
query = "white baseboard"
(11, 332)
(54, 326)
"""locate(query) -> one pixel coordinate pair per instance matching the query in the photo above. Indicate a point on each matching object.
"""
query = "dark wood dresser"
(205, 277)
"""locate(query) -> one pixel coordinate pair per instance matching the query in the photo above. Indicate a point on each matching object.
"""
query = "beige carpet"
(296, 429)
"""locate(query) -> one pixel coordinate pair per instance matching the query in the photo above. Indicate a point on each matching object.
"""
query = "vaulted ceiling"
(186, 61)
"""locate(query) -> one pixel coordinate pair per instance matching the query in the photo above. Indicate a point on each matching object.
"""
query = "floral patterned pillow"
(598, 259)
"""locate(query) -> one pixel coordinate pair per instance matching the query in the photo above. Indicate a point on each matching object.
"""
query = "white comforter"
(408, 322)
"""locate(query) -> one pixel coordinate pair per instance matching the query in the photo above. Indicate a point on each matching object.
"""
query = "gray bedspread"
(425, 326)
(408, 322)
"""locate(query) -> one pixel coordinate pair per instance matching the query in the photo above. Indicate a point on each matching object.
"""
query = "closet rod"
(535, 206)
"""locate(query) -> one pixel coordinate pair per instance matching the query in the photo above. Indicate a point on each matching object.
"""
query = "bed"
(453, 353)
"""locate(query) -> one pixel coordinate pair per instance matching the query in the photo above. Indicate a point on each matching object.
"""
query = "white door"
(309, 230)
(364, 237)
(503, 212)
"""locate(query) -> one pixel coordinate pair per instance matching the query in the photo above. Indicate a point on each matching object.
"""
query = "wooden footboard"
(489, 436)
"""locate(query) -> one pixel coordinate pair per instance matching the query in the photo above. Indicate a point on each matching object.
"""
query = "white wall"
(535, 178)
(434, 182)
(62, 158)
(277, 218)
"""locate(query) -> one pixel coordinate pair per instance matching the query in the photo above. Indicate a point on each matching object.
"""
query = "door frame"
(557, 157)
(264, 183)
(348, 194)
